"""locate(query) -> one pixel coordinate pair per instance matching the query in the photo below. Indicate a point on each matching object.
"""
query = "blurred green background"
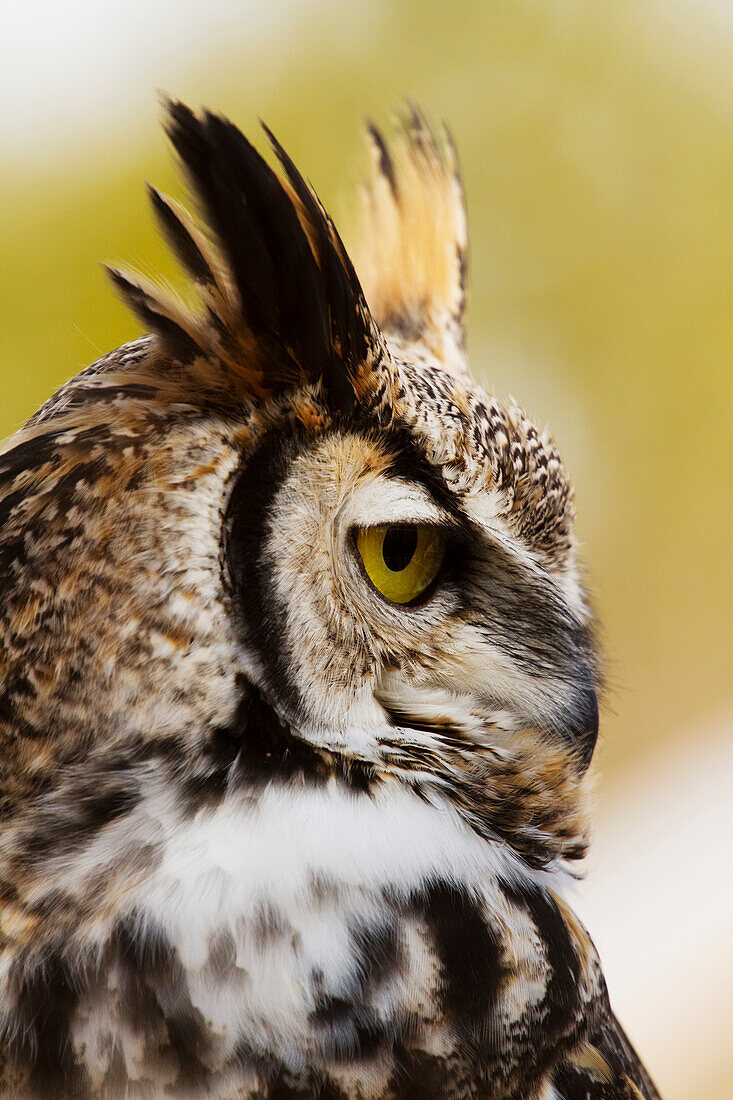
(597, 147)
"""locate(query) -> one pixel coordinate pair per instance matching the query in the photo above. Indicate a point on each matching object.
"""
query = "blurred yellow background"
(597, 147)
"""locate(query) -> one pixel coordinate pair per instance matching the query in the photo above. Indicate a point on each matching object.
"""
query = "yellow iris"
(401, 560)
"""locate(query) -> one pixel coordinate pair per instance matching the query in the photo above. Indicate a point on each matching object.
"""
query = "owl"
(298, 682)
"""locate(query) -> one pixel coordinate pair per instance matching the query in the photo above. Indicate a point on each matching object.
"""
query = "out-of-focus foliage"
(597, 148)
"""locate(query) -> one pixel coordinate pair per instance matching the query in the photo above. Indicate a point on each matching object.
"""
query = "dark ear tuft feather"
(298, 296)
(154, 316)
(282, 305)
(386, 164)
(352, 332)
(180, 239)
(255, 225)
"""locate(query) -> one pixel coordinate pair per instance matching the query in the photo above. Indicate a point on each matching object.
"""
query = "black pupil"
(399, 546)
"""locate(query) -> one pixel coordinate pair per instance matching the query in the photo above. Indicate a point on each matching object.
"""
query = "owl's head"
(286, 538)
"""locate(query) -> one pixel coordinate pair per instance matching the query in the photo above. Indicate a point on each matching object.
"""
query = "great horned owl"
(298, 680)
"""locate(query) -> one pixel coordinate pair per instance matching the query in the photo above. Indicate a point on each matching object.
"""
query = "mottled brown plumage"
(266, 832)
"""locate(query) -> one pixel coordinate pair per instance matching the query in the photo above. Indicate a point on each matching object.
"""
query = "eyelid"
(453, 531)
(394, 500)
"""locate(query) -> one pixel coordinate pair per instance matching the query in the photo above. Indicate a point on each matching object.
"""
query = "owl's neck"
(270, 911)
(518, 789)
(285, 931)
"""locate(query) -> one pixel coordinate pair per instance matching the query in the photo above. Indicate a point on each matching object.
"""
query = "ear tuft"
(156, 314)
(183, 239)
(282, 303)
(412, 250)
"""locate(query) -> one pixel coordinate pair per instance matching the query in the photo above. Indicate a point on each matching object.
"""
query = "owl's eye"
(401, 560)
